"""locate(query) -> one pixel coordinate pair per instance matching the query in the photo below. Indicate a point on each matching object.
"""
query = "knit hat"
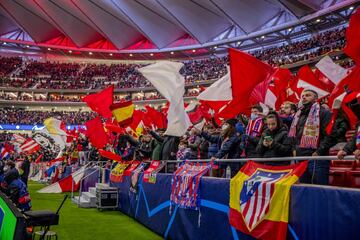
(232, 122)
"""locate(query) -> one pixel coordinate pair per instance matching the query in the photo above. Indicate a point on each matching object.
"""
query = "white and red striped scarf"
(254, 127)
(311, 133)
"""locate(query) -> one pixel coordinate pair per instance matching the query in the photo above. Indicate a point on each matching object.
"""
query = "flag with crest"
(259, 199)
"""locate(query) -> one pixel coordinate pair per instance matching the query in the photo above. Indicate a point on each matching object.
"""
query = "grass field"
(80, 223)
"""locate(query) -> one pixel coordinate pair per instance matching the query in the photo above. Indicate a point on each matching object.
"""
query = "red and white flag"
(331, 70)
(308, 80)
(65, 184)
(245, 73)
(30, 146)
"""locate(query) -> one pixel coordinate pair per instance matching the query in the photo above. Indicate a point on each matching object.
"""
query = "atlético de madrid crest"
(256, 195)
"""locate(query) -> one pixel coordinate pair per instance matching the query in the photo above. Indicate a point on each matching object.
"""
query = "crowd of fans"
(303, 50)
(8, 65)
(51, 75)
(77, 98)
(273, 134)
(21, 116)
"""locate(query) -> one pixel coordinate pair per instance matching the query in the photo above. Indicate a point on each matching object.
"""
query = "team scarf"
(135, 176)
(185, 185)
(358, 138)
(182, 154)
(311, 133)
(254, 127)
(151, 172)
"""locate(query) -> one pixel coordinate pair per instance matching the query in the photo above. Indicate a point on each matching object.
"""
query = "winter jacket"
(17, 190)
(204, 149)
(287, 120)
(169, 148)
(212, 150)
(228, 148)
(281, 146)
(25, 166)
(194, 143)
(341, 126)
(156, 145)
(350, 146)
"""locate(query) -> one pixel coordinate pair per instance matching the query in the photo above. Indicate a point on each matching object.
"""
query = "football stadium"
(179, 119)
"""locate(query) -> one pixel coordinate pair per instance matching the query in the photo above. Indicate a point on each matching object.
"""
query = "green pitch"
(82, 223)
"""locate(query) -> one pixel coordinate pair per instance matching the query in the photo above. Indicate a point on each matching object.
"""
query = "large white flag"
(331, 70)
(168, 81)
(51, 142)
(219, 90)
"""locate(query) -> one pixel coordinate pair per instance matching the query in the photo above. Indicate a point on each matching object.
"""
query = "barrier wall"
(316, 212)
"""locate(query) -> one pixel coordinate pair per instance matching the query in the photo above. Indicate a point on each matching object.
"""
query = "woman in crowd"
(228, 144)
(274, 140)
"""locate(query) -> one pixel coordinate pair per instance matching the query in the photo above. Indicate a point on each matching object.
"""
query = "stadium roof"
(142, 26)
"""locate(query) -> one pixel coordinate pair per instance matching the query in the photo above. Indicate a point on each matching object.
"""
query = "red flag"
(352, 81)
(96, 133)
(282, 79)
(195, 114)
(100, 102)
(71, 135)
(137, 118)
(272, 91)
(157, 118)
(114, 128)
(246, 72)
(308, 80)
(327, 83)
(352, 48)
(110, 155)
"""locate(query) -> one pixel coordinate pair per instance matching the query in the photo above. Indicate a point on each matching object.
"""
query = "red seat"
(354, 178)
(343, 164)
(338, 177)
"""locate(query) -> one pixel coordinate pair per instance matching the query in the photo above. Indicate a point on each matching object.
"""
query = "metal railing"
(99, 166)
(276, 159)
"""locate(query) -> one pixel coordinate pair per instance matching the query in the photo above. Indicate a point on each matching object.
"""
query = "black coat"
(324, 142)
(227, 148)
(169, 148)
(26, 170)
(350, 146)
(341, 126)
(281, 146)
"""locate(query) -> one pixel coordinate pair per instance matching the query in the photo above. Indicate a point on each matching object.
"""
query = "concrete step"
(102, 185)
(83, 203)
(92, 190)
(89, 197)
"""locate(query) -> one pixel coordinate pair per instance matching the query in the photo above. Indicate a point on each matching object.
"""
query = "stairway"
(88, 199)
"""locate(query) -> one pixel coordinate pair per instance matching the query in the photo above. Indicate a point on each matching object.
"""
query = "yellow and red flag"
(259, 199)
(123, 112)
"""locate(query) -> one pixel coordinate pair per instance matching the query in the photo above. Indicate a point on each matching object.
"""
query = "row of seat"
(345, 173)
